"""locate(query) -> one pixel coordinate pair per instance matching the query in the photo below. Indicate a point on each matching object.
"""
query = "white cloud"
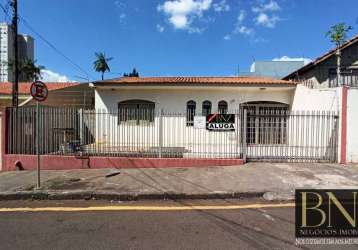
(270, 6)
(119, 4)
(240, 28)
(241, 16)
(50, 76)
(266, 20)
(287, 58)
(182, 13)
(122, 18)
(221, 6)
(227, 37)
(160, 28)
(245, 30)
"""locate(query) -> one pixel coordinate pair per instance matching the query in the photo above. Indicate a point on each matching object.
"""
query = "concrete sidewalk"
(272, 181)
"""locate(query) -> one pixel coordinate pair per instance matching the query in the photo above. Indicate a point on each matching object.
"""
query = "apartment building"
(25, 49)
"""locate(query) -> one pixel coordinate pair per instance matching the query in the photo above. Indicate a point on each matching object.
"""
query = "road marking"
(144, 208)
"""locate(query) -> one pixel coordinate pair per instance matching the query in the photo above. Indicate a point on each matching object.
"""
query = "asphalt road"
(259, 228)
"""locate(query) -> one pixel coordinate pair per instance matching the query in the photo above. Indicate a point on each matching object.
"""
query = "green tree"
(338, 35)
(28, 69)
(101, 63)
(134, 73)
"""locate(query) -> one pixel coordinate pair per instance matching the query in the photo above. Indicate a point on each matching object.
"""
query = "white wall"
(352, 125)
(316, 99)
(174, 99)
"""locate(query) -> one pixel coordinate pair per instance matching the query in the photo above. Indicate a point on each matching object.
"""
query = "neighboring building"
(274, 69)
(60, 94)
(25, 49)
(320, 88)
(322, 72)
(6, 52)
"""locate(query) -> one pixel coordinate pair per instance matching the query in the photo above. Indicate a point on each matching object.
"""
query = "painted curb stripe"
(143, 208)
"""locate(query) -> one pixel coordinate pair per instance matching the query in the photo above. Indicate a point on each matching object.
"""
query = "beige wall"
(77, 96)
(175, 98)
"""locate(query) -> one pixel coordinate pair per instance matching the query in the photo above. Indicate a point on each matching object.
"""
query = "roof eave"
(156, 84)
(321, 58)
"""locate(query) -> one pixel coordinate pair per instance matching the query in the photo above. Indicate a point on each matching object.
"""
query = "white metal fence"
(266, 134)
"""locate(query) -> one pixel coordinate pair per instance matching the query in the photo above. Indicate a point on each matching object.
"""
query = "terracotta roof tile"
(24, 87)
(194, 80)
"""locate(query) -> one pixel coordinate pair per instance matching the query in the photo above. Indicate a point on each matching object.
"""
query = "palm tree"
(101, 64)
(338, 35)
(28, 69)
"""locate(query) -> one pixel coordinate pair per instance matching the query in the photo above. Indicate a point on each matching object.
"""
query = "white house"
(151, 114)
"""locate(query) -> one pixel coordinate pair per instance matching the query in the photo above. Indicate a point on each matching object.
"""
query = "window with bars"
(136, 111)
(206, 108)
(222, 107)
(190, 112)
(266, 123)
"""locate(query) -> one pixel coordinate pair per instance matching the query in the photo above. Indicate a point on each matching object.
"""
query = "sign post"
(39, 92)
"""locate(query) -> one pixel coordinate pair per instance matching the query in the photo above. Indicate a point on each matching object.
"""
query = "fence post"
(160, 132)
(238, 129)
(81, 126)
(244, 141)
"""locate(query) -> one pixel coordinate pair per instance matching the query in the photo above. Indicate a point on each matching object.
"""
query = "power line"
(54, 47)
(5, 8)
(26, 23)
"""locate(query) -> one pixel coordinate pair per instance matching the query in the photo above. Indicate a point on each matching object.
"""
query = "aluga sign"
(220, 122)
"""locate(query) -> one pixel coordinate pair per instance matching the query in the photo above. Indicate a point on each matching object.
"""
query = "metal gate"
(275, 134)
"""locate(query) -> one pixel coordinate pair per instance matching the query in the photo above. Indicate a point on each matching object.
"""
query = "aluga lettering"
(221, 126)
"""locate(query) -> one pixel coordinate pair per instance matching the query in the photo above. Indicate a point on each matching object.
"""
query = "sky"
(177, 37)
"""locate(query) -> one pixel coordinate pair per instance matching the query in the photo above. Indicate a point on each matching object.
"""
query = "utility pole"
(338, 54)
(15, 85)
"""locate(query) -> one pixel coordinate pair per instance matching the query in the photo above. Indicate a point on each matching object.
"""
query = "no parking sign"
(39, 91)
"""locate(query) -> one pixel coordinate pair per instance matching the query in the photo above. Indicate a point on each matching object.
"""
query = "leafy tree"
(134, 73)
(338, 35)
(28, 69)
(101, 63)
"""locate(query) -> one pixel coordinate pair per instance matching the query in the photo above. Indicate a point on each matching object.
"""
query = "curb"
(105, 195)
